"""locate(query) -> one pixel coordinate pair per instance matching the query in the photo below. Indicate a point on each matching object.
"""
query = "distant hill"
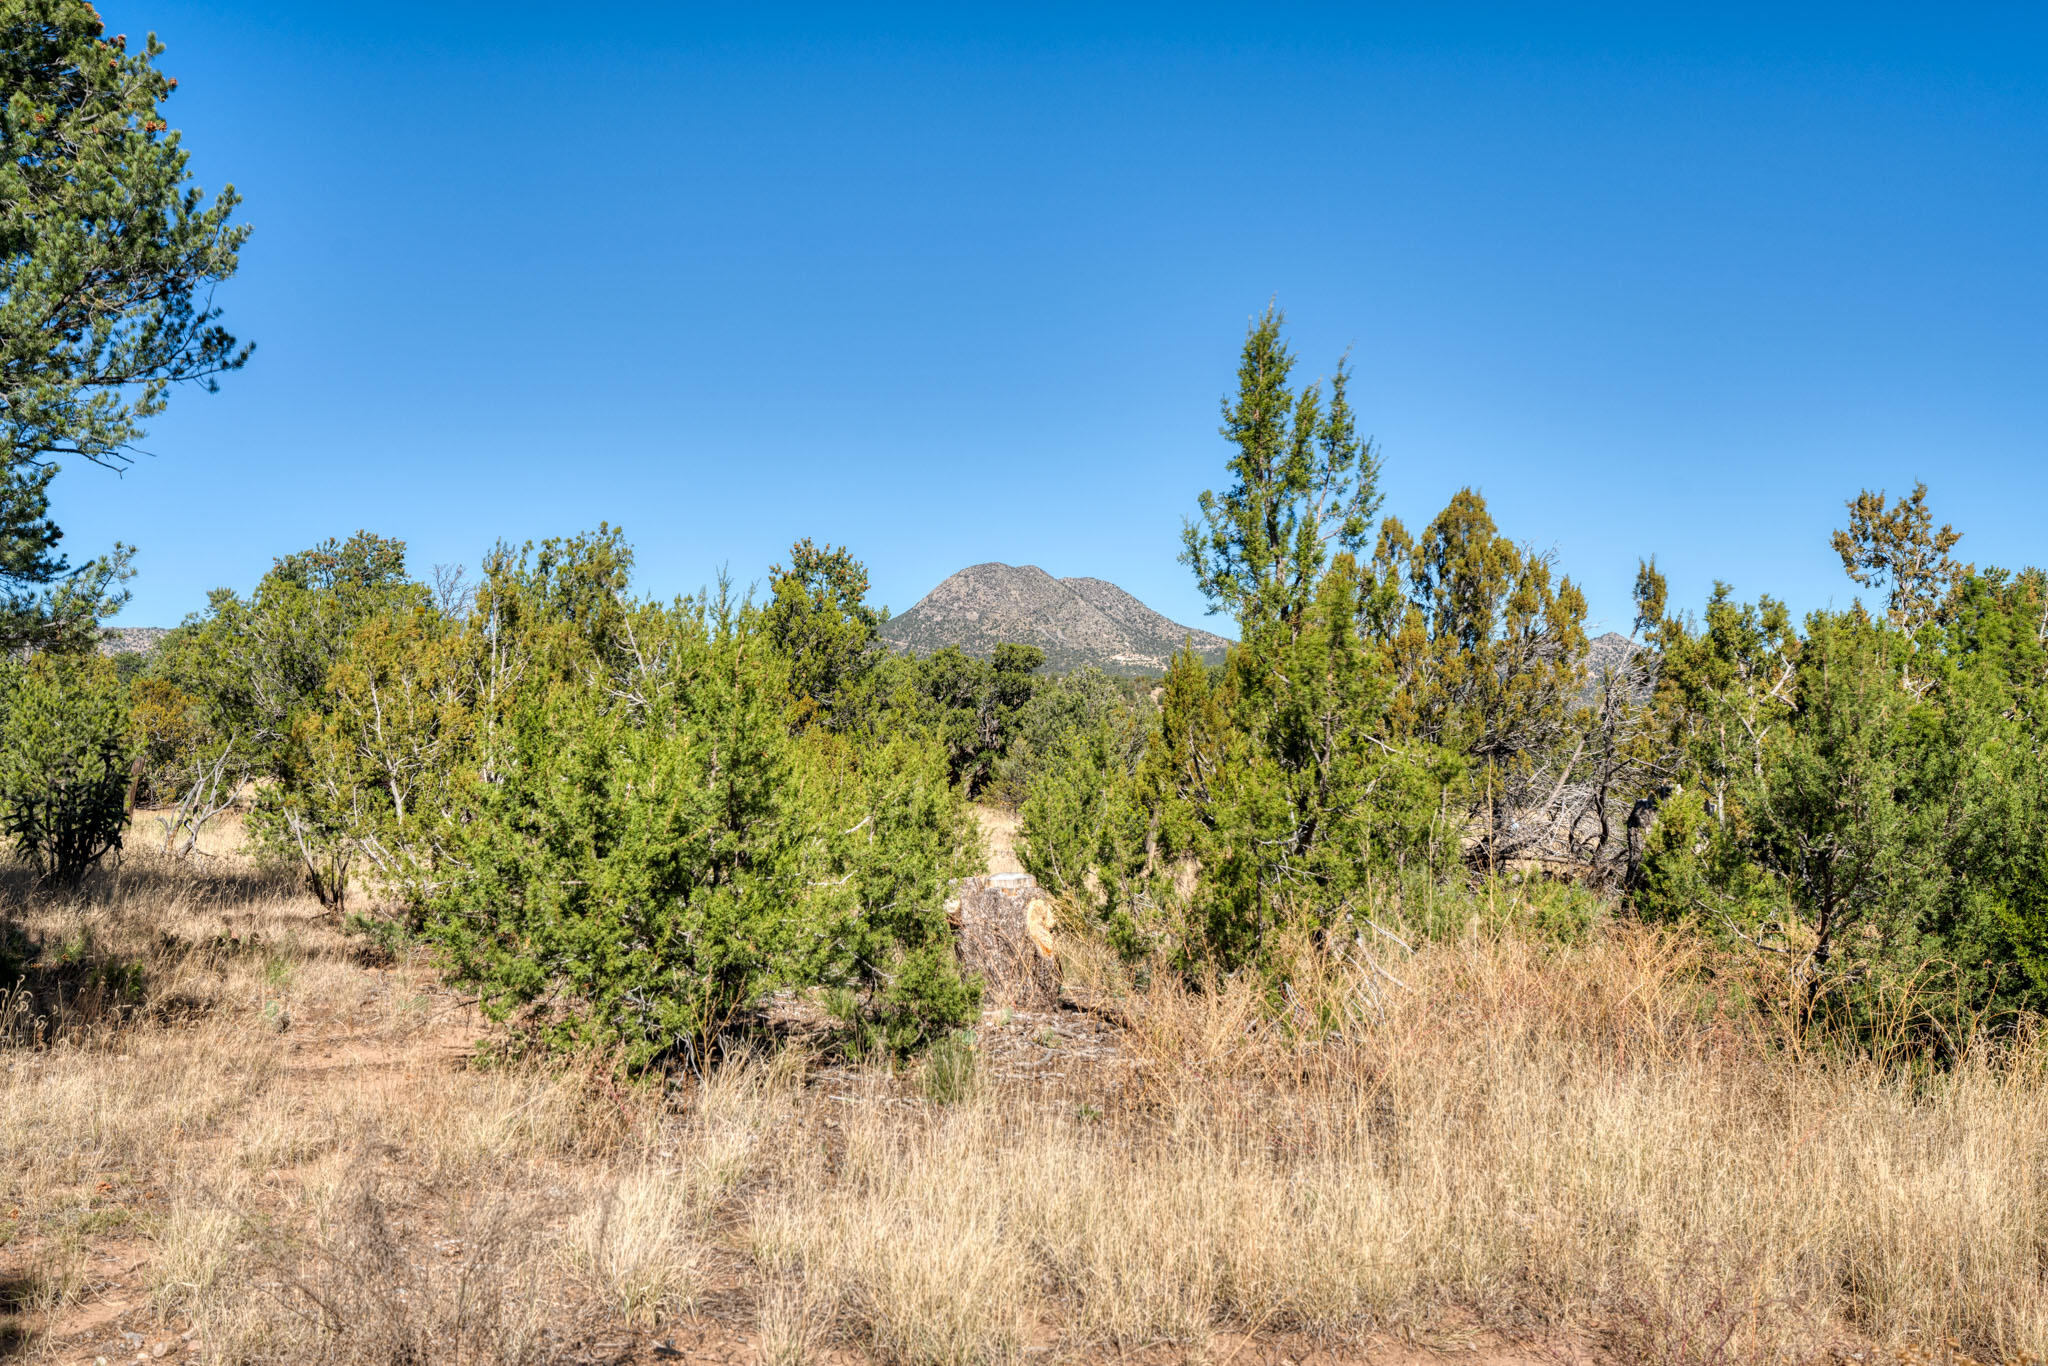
(1614, 651)
(1610, 651)
(132, 640)
(1077, 622)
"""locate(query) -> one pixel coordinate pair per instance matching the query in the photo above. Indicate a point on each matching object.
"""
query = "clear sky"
(967, 284)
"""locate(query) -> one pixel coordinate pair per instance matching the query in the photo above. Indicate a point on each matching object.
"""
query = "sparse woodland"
(517, 968)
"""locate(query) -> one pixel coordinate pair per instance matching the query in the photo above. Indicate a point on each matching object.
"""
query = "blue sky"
(967, 284)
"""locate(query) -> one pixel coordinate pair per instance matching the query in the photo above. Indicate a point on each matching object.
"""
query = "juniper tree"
(66, 739)
(1305, 487)
(652, 845)
(819, 617)
(259, 661)
(1882, 831)
(1992, 681)
(1270, 779)
(973, 705)
(1898, 550)
(1724, 684)
(1064, 712)
(1084, 829)
(260, 668)
(1488, 650)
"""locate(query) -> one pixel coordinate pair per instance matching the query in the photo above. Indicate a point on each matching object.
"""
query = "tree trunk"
(1002, 926)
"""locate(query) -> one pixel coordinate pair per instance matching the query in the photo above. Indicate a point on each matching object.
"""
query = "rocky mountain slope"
(1614, 651)
(1611, 651)
(132, 640)
(1077, 622)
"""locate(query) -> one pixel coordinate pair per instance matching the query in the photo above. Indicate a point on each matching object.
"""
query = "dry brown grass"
(229, 1129)
(1531, 1143)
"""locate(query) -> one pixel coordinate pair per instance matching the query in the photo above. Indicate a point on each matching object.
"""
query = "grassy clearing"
(230, 1130)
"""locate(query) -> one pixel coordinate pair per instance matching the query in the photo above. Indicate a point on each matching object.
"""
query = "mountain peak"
(1077, 622)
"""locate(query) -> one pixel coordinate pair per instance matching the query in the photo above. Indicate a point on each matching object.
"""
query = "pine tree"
(108, 258)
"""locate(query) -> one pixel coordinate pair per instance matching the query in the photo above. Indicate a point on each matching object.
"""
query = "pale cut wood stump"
(1002, 924)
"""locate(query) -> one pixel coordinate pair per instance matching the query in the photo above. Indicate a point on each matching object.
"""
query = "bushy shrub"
(926, 998)
(245, 691)
(1061, 713)
(973, 705)
(362, 779)
(1084, 834)
(65, 747)
(1672, 872)
(647, 845)
(619, 820)
(167, 729)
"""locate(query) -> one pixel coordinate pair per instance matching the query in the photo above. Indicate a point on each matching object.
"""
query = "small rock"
(160, 1349)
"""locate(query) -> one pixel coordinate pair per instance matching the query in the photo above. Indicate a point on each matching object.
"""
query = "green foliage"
(1672, 879)
(1061, 714)
(368, 773)
(1861, 798)
(1268, 794)
(926, 997)
(259, 662)
(1304, 482)
(1264, 794)
(1992, 691)
(619, 820)
(636, 855)
(1722, 684)
(262, 669)
(108, 260)
(1486, 648)
(1864, 796)
(1085, 829)
(65, 745)
(645, 844)
(819, 619)
(625, 821)
(554, 610)
(168, 727)
(1831, 815)
(1267, 783)
(1898, 549)
(973, 705)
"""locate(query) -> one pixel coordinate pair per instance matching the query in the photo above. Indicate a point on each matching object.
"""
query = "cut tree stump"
(1002, 924)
